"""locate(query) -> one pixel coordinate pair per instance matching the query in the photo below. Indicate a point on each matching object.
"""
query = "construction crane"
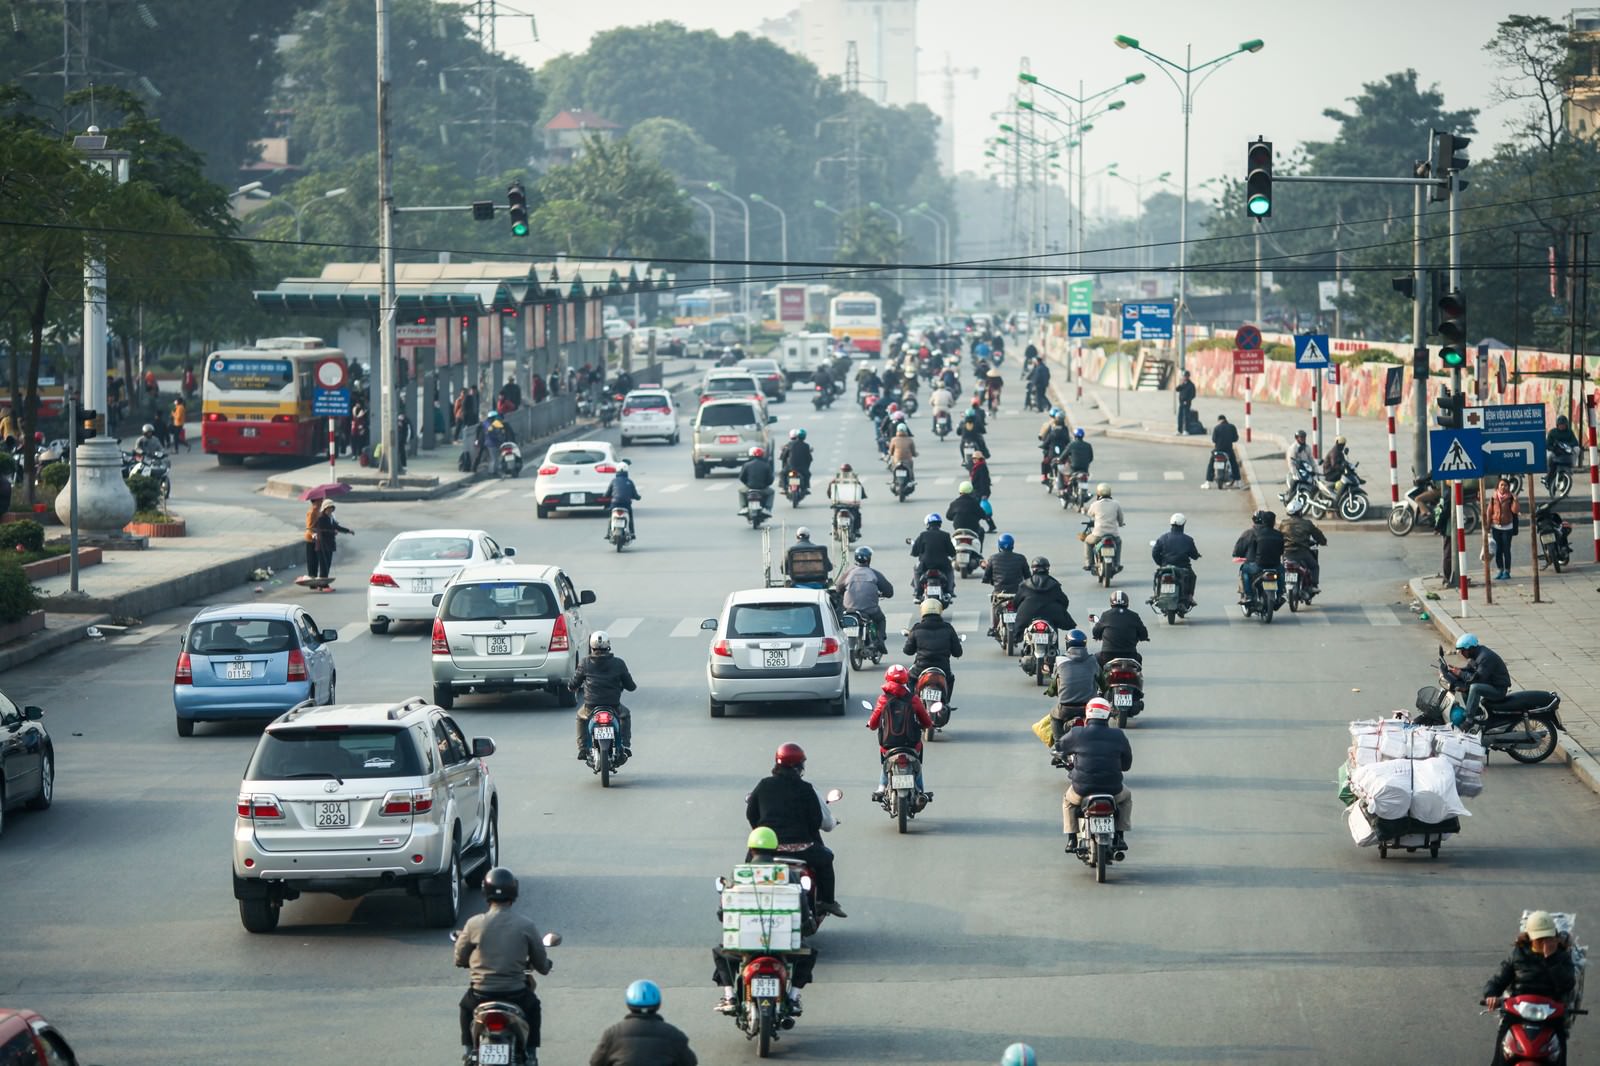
(947, 147)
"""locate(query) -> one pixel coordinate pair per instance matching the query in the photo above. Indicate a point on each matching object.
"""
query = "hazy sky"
(1316, 55)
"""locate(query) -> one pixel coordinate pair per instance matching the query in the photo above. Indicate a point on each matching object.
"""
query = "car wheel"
(491, 850)
(841, 705)
(718, 709)
(333, 685)
(2, 808)
(673, 440)
(185, 726)
(444, 696)
(379, 628)
(47, 784)
(541, 511)
(699, 471)
(439, 909)
(260, 915)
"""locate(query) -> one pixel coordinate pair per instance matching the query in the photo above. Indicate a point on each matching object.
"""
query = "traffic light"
(1451, 409)
(1258, 179)
(1447, 155)
(517, 198)
(1453, 330)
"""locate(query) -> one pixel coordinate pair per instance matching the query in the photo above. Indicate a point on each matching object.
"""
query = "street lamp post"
(1138, 210)
(783, 230)
(900, 235)
(711, 251)
(331, 194)
(938, 242)
(1188, 68)
(744, 291)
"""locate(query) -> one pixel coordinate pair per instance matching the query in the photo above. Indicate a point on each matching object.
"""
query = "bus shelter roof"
(470, 288)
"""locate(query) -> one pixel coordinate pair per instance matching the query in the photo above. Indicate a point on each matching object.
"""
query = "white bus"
(857, 317)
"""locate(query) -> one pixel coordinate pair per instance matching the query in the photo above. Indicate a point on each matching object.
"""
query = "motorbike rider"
(147, 444)
(941, 399)
(761, 846)
(1076, 682)
(993, 382)
(934, 642)
(1300, 540)
(805, 564)
(623, 493)
(756, 474)
(900, 719)
(796, 458)
(1041, 597)
(1260, 548)
(862, 589)
(1105, 517)
(500, 946)
(1333, 462)
(1224, 437)
(1080, 454)
(1297, 456)
(1540, 964)
(643, 1038)
(902, 449)
(933, 549)
(1485, 673)
(1119, 631)
(1019, 1054)
(846, 490)
(972, 429)
(868, 381)
(1005, 570)
(1052, 444)
(966, 512)
(1038, 376)
(1177, 548)
(1101, 755)
(787, 804)
(822, 378)
(603, 678)
(1560, 445)
(982, 484)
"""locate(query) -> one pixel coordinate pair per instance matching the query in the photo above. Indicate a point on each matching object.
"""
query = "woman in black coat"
(328, 532)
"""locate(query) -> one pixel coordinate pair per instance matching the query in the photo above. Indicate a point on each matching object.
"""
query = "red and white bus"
(257, 401)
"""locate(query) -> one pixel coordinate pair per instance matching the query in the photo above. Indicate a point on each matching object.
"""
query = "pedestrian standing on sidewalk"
(1185, 401)
(311, 538)
(328, 532)
(1441, 525)
(1502, 515)
(180, 432)
(457, 416)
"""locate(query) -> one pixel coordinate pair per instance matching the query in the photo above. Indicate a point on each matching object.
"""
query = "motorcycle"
(1302, 484)
(1349, 499)
(969, 551)
(823, 398)
(867, 642)
(1075, 493)
(510, 459)
(794, 488)
(755, 507)
(1261, 597)
(941, 423)
(969, 448)
(1555, 532)
(844, 523)
(1221, 468)
(908, 402)
(1525, 725)
(608, 410)
(1535, 1027)
(936, 584)
(606, 753)
(500, 1030)
(1169, 598)
(901, 484)
(1409, 513)
(1042, 644)
(1122, 683)
(901, 799)
(1006, 602)
(1097, 832)
(617, 532)
(933, 690)
(1104, 559)
(153, 465)
(1297, 586)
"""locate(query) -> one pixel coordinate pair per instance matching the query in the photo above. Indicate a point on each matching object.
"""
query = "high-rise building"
(1583, 94)
(885, 33)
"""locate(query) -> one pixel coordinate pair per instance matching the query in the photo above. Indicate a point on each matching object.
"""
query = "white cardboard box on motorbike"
(760, 873)
(761, 930)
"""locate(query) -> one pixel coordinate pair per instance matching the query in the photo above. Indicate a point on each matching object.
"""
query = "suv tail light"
(830, 646)
(259, 806)
(383, 580)
(407, 801)
(184, 674)
(297, 665)
(549, 471)
(558, 635)
(720, 647)
(441, 646)
(1101, 807)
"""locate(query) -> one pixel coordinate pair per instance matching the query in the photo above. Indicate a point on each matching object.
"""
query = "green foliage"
(146, 493)
(613, 201)
(22, 535)
(55, 476)
(868, 237)
(676, 146)
(18, 598)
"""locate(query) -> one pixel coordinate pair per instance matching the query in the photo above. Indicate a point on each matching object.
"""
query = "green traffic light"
(519, 229)
(1260, 206)
(1453, 358)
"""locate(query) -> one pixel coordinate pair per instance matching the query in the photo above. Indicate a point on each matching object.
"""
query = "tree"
(867, 238)
(635, 197)
(1536, 55)
(676, 146)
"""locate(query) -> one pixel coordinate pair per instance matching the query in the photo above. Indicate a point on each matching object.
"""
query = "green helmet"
(762, 839)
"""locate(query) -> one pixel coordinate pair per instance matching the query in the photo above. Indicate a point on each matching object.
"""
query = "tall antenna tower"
(947, 128)
(484, 17)
(75, 65)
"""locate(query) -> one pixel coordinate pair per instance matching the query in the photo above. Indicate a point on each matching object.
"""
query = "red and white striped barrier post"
(1394, 465)
(1592, 401)
(1248, 392)
(1316, 417)
(332, 452)
(1461, 546)
(1338, 401)
(1077, 371)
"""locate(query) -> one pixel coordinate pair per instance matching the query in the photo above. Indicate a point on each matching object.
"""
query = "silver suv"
(351, 799)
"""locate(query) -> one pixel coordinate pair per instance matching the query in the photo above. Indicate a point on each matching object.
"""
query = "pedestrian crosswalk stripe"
(713, 488)
(1380, 616)
(688, 627)
(622, 628)
(679, 487)
(944, 481)
(352, 632)
(1172, 475)
(478, 488)
(1128, 475)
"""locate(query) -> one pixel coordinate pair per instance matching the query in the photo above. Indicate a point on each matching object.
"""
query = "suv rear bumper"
(549, 677)
(353, 868)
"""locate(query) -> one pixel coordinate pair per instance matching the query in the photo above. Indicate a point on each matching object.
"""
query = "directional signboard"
(1077, 325)
(1311, 351)
(1041, 309)
(1080, 297)
(1513, 438)
(1147, 322)
(1457, 454)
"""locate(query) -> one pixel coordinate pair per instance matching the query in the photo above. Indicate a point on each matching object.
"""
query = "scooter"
(933, 689)
(1007, 613)
(1554, 532)
(822, 398)
(901, 483)
(1122, 682)
(1297, 587)
(1097, 834)
(1261, 598)
(500, 1030)
(1525, 725)
(794, 488)
(606, 753)
(510, 459)
(153, 465)
(844, 523)
(1409, 513)
(1076, 493)
(1349, 499)
(1222, 469)
(1169, 598)
(755, 507)
(969, 551)
(968, 450)
(1041, 644)
(1104, 559)
(617, 532)
(608, 410)
(941, 423)
(936, 585)
(1535, 1027)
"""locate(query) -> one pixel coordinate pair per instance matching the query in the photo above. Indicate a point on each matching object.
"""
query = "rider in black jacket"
(1100, 756)
(1177, 548)
(1005, 570)
(1119, 631)
(1224, 436)
(1261, 548)
(934, 642)
(785, 803)
(965, 512)
(1485, 673)
(756, 474)
(602, 678)
(933, 549)
(1041, 597)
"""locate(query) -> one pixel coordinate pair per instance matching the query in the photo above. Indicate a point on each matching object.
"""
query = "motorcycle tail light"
(602, 718)
(1040, 627)
(496, 1021)
(1101, 808)
(902, 761)
(1123, 676)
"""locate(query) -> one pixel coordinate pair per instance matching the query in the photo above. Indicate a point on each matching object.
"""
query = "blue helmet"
(643, 996)
(1055, 412)
(1019, 1055)
(863, 555)
(1077, 638)
(1078, 433)
(933, 519)
(1468, 640)
(800, 433)
(1007, 542)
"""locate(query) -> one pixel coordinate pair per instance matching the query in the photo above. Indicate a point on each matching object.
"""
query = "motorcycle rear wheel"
(1540, 751)
(900, 813)
(602, 758)
(1101, 861)
(769, 1024)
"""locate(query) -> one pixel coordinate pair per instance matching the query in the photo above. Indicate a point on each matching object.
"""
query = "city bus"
(257, 401)
(858, 318)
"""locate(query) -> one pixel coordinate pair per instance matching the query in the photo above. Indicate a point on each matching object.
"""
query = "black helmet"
(1259, 518)
(500, 885)
(1039, 565)
(1268, 519)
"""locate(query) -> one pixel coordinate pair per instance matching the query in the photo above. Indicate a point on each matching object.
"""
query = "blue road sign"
(1456, 454)
(331, 403)
(1311, 351)
(1147, 322)
(1513, 438)
(1041, 309)
(1077, 325)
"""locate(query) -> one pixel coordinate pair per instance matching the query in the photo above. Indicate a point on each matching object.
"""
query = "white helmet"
(793, 433)
(1296, 505)
(802, 533)
(1097, 709)
(1178, 519)
(600, 642)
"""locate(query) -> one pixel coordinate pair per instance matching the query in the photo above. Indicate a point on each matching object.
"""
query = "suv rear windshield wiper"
(313, 773)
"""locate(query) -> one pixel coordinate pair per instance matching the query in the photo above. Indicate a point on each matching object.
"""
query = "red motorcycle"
(933, 690)
(1535, 1027)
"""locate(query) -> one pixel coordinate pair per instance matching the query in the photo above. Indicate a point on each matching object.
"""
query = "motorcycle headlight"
(1533, 1012)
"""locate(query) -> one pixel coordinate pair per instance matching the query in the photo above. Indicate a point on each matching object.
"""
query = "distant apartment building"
(884, 32)
(1583, 95)
(567, 133)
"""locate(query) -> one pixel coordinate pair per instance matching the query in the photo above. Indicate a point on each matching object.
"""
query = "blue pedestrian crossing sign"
(1457, 454)
(1311, 351)
(1041, 309)
(1077, 325)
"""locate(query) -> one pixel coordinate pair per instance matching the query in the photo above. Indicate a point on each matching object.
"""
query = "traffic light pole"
(389, 402)
(1419, 384)
(1452, 188)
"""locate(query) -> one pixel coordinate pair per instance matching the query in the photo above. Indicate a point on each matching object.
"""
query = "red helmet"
(897, 675)
(893, 407)
(790, 755)
(757, 453)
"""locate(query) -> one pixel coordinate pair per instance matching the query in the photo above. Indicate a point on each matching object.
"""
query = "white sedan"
(649, 414)
(416, 565)
(575, 474)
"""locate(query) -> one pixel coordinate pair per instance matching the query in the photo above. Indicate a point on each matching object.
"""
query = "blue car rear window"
(241, 636)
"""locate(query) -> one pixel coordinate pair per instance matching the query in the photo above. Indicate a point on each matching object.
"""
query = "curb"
(1569, 751)
(197, 584)
(26, 651)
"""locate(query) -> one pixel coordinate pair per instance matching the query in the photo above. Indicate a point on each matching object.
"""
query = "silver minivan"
(777, 645)
(726, 430)
(505, 628)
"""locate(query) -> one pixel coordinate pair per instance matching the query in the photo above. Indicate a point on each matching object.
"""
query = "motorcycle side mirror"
(867, 705)
(908, 540)
(805, 882)
(552, 940)
(905, 632)
(455, 934)
(1152, 544)
(721, 884)
(835, 795)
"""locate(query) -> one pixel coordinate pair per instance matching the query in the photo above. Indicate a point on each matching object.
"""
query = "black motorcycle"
(1555, 532)
(152, 464)
(1525, 725)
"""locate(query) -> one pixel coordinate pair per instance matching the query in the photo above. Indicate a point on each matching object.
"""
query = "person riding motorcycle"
(972, 428)
(796, 458)
(1100, 756)
(1041, 597)
(1224, 437)
(643, 1038)
(900, 719)
(1119, 631)
(787, 804)
(1540, 964)
(934, 642)
(1052, 445)
(1076, 683)
(933, 549)
(993, 383)
(1560, 445)
(756, 474)
(603, 678)
(1005, 570)
(624, 493)
(1177, 548)
(1485, 673)
(1105, 516)
(1300, 540)
(822, 378)
(1038, 377)
(805, 564)
(1297, 456)
(966, 512)
(1019, 1054)
(902, 449)
(846, 490)
(499, 947)
(1080, 454)
(862, 589)
(1333, 462)
(147, 444)
(1260, 548)
(761, 846)
(941, 399)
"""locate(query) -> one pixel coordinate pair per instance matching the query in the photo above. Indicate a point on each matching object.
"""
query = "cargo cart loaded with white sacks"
(1402, 784)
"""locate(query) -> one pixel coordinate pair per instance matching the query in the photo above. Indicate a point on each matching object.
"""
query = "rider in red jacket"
(900, 719)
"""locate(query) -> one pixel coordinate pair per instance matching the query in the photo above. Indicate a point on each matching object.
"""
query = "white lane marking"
(1379, 616)
(147, 633)
(355, 631)
(687, 627)
(713, 488)
(623, 628)
(497, 493)
(679, 487)
(1128, 475)
(944, 481)
(406, 639)
(1172, 475)
(476, 489)
(1315, 617)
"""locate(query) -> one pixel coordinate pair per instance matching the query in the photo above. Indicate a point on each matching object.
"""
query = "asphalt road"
(1244, 927)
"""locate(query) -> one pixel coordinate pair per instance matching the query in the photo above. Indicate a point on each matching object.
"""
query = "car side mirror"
(482, 747)
(33, 714)
(586, 596)
(709, 623)
(328, 635)
(437, 597)
(509, 553)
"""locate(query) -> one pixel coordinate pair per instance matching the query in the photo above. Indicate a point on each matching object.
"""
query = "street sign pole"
(1316, 417)
(1459, 532)
(1592, 402)
(1533, 531)
(1483, 530)
(332, 453)
(1248, 391)
(1338, 401)
(1394, 471)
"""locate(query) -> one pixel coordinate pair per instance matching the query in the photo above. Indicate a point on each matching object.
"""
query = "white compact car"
(575, 474)
(417, 564)
(649, 414)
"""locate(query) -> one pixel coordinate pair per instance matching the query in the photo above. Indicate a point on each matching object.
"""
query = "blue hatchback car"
(251, 661)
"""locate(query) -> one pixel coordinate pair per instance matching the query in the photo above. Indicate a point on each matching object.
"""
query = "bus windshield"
(855, 309)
